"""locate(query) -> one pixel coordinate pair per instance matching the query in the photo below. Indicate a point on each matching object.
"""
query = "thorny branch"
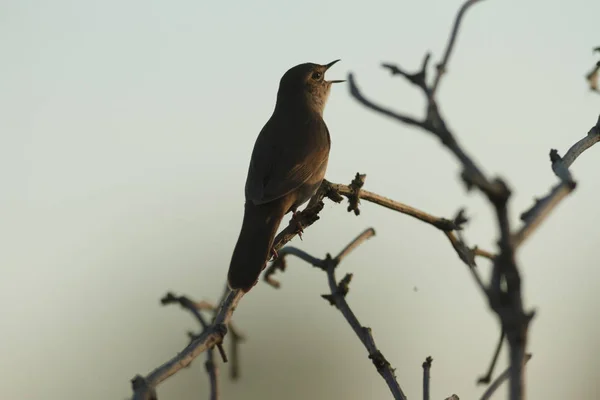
(215, 332)
(503, 291)
(235, 338)
(144, 388)
(337, 298)
(354, 193)
(441, 67)
(211, 367)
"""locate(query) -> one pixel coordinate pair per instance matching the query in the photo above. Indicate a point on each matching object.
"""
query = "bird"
(287, 166)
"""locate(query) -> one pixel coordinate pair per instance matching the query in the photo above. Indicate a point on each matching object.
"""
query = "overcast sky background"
(126, 130)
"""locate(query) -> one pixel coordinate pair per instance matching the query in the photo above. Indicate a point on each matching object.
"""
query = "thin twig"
(235, 337)
(213, 374)
(144, 387)
(499, 381)
(445, 225)
(533, 217)
(488, 376)
(337, 298)
(592, 137)
(211, 366)
(442, 66)
(426, 376)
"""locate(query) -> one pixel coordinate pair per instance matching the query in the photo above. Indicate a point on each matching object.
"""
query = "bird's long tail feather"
(253, 247)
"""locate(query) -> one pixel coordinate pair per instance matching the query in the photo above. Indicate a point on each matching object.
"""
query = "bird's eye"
(317, 75)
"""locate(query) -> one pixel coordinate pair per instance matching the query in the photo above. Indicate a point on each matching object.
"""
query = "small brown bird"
(287, 166)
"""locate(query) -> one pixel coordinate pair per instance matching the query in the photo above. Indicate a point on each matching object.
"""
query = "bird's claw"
(296, 221)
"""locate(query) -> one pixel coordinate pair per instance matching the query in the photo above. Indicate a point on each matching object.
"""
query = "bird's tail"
(253, 247)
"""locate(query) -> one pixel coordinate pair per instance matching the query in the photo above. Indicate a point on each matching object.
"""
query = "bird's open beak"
(327, 66)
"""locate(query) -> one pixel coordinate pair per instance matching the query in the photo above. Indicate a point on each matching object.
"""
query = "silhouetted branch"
(441, 67)
(500, 380)
(504, 289)
(426, 377)
(354, 193)
(337, 298)
(211, 367)
(488, 376)
(145, 387)
(533, 217)
(235, 338)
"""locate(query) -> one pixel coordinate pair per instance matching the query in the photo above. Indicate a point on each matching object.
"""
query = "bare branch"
(360, 239)
(533, 217)
(504, 291)
(488, 376)
(592, 137)
(438, 222)
(213, 374)
(445, 225)
(354, 193)
(499, 381)
(537, 214)
(442, 66)
(435, 124)
(426, 376)
(235, 336)
(186, 304)
(144, 387)
(337, 298)
(211, 367)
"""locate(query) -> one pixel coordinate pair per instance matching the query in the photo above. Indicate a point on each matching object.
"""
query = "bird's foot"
(274, 253)
(295, 220)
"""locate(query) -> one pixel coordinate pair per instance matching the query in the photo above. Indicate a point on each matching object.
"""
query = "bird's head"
(306, 83)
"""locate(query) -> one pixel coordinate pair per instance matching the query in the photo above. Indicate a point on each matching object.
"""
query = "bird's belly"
(304, 193)
(310, 187)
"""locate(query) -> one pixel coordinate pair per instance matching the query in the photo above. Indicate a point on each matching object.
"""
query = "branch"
(145, 387)
(337, 298)
(213, 334)
(235, 338)
(504, 291)
(213, 374)
(210, 365)
(354, 193)
(533, 217)
(499, 381)
(426, 377)
(441, 67)
(488, 376)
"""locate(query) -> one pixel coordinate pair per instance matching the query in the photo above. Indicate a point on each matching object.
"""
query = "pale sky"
(126, 131)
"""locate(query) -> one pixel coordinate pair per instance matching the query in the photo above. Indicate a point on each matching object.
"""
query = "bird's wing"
(285, 156)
